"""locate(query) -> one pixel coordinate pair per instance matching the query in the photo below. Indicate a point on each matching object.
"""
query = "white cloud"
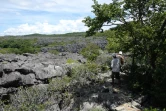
(64, 26)
(51, 5)
(19, 17)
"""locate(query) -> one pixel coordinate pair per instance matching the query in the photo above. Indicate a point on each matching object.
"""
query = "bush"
(91, 51)
(28, 99)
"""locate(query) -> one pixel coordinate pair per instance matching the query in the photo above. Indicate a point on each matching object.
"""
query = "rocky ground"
(35, 69)
(104, 97)
(32, 69)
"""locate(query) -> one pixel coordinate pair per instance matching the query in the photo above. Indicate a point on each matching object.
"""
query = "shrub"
(104, 61)
(91, 51)
(28, 99)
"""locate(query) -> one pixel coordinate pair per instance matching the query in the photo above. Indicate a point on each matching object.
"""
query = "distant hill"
(73, 34)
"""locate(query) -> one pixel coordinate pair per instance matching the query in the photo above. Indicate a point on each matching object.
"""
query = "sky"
(22, 17)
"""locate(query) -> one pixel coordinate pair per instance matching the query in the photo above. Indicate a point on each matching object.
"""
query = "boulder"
(11, 80)
(49, 72)
(9, 67)
(1, 70)
(28, 79)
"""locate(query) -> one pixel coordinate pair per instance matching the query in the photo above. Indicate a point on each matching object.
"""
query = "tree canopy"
(141, 30)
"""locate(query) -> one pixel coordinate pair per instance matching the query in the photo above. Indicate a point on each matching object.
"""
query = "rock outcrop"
(32, 69)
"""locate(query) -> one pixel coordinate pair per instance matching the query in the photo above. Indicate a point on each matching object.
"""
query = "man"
(121, 59)
(115, 66)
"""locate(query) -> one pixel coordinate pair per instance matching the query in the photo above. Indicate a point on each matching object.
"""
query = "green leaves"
(142, 33)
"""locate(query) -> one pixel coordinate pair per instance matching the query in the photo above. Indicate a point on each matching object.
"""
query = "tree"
(144, 24)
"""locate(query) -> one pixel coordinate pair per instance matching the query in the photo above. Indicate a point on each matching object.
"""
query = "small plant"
(55, 52)
(69, 61)
(97, 109)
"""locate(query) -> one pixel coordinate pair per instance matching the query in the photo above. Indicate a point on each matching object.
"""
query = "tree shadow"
(99, 93)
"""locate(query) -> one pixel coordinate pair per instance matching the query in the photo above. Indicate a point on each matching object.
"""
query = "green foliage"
(103, 61)
(97, 109)
(18, 46)
(144, 37)
(59, 84)
(69, 61)
(153, 109)
(28, 99)
(92, 67)
(91, 51)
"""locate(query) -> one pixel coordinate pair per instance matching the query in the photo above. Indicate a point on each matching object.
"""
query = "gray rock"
(50, 72)
(9, 67)
(1, 70)
(11, 80)
(4, 91)
(25, 70)
(54, 107)
(28, 79)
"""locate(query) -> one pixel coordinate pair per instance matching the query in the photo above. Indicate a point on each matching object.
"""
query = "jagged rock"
(92, 106)
(54, 107)
(9, 67)
(28, 79)
(10, 80)
(4, 91)
(25, 70)
(1, 70)
(50, 72)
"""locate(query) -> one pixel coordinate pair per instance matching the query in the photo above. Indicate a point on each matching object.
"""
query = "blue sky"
(20, 17)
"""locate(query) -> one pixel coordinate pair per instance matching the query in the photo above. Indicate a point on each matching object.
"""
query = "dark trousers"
(115, 75)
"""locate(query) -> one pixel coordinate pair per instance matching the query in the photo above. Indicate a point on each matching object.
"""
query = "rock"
(28, 79)
(4, 91)
(27, 54)
(11, 80)
(126, 107)
(50, 72)
(54, 107)
(25, 70)
(9, 67)
(62, 54)
(1, 70)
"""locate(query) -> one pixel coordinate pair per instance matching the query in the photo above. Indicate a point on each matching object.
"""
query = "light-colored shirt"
(115, 64)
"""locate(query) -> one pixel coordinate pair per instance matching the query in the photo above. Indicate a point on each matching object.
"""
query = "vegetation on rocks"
(91, 51)
(140, 30)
